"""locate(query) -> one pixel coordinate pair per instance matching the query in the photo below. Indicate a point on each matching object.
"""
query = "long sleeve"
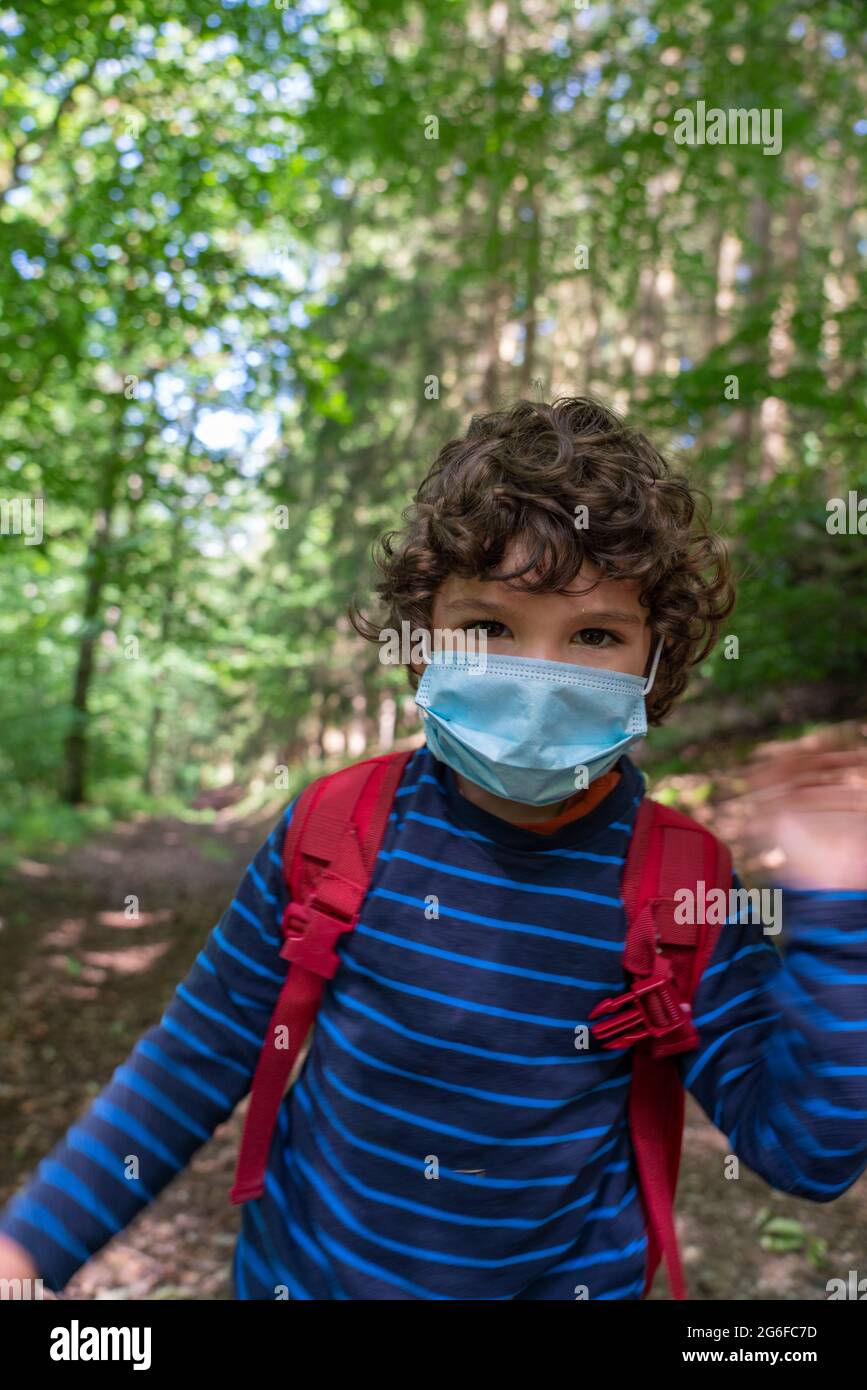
(781, 1067)
(182, 1079)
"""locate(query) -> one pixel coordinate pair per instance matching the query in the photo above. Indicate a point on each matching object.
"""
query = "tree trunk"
(158, 711)
(76, 747)
(747, 418)
(174, 560)
(497, 299)
(533, 286)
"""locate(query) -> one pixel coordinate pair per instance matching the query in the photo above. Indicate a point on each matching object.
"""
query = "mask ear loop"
(652, 677)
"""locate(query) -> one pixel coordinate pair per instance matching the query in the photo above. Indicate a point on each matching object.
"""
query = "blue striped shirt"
(449, 1137)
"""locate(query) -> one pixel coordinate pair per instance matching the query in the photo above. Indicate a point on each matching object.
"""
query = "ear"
(418, 650)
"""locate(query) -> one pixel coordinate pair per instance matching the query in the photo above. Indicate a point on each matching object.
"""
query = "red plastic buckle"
(310, 938)
(651, 1009)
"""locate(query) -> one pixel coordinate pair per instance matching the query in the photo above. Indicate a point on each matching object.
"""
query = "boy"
(446, 1138)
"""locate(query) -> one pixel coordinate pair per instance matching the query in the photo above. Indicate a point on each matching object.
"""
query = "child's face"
(605, 627)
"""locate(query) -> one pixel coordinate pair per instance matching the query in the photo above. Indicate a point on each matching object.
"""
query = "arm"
(781, 1067)
(183, 1078)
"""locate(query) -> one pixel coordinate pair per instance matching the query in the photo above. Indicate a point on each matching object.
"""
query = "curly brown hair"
(521, 473)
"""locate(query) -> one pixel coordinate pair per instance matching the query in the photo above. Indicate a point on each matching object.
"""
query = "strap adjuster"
(651, 1009)
(310, 937)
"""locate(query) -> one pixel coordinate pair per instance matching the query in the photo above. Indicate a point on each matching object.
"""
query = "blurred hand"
(17, 1263)
(808, 815)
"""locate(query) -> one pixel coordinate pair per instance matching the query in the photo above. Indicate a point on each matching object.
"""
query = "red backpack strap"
(666, 958)
(329, 852)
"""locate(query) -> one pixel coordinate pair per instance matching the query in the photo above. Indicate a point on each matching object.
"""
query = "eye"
(484, 623)
(597, 637)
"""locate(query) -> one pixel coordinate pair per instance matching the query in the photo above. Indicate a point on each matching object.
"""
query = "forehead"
(605, 595)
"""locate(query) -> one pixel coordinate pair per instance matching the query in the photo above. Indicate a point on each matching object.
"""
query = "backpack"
(329, 853)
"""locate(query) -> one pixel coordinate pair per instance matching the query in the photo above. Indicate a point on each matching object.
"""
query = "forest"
(259, 263)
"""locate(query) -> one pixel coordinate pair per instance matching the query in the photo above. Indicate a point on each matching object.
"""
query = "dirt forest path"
(80, 984)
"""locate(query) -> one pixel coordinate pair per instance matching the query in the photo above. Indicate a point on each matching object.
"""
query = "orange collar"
(578, 805)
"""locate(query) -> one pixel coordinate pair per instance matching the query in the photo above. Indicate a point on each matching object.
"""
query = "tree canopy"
(259, 261)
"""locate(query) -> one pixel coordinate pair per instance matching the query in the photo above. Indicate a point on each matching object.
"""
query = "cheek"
(646, 648)
(634, 657)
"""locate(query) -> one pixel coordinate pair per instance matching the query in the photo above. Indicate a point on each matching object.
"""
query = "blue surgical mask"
(523, 728)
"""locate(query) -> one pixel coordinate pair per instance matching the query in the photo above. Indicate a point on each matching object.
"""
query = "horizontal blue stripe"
(495, 1097)
(424, 1122)
(517, 885)
(450, 1174)
(476, 962)
(500, 923)
(453, 1002)
(512, 1058)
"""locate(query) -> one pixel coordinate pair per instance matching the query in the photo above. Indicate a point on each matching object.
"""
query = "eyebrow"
(606, 615)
